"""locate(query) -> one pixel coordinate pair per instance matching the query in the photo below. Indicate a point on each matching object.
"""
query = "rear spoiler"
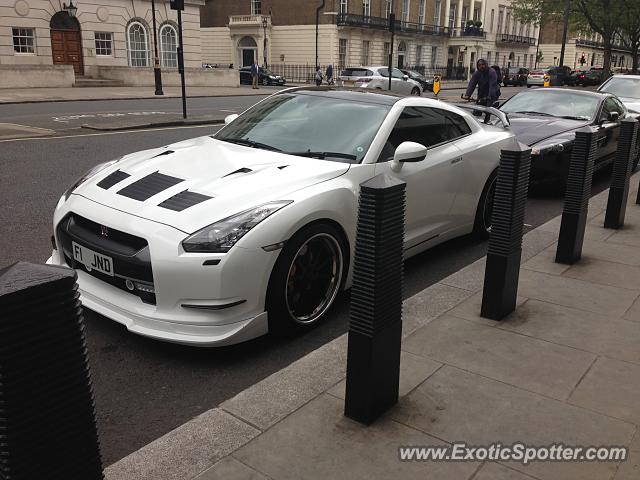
(489, 112)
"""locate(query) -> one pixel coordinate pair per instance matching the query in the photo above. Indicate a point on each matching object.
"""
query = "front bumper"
(229, 301)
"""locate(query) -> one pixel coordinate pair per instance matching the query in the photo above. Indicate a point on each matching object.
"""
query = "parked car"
(626, 88)
(547, 119)
(425, 83)
(378, 78)
(515, 76)
(594, 76)
(576, 77)
(559, 76)
(219, 239)
(265, 77)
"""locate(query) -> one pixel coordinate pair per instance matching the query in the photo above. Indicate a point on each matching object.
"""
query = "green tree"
(603, 16)
(630, 29)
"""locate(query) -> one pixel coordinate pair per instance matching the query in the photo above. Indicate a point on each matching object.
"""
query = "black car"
(265, 77)
(547, 119)
(576, 77)
(515, 76)
(426, 84)
(595, 76)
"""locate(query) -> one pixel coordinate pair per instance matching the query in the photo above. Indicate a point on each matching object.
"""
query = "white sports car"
(219, 239)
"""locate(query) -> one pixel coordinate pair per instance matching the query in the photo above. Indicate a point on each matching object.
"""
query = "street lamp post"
(317, 23)
(156, 63)
(264, 45)
(565, 27)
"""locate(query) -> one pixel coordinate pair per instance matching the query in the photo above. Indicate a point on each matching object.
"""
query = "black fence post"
(375, 325)
(505, 242)
(576, 197)
(619, 190)
(47, 415)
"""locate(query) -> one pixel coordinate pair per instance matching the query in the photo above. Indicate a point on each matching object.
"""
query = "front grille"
(130, 254)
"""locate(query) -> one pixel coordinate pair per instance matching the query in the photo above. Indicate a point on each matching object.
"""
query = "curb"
(259, 407)
(142, 126)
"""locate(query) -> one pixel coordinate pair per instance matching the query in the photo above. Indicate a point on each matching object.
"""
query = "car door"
(399, 83)
(609, 132)
(431, 183)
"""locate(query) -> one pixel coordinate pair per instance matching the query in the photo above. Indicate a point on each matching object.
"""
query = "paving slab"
(186, 451)
(318, 442)
(593, 332)
(605, 273)
(413, 371)
(455, 405)
(536, 365)
(633, 313)
(630, 469)
(611, 252)
(495, 471)
(611, 387)
(545, 262)
(469, 278)
(575, 293)
(470, 310)
(230, 469)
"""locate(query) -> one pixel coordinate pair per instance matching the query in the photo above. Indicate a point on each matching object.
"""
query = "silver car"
(626, 88)
(377, 77)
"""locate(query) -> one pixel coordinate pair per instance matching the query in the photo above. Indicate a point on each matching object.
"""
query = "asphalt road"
(145, 388)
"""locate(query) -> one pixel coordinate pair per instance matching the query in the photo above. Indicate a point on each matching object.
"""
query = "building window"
(465, 16)
(421, 11)
(476, 14)
(489, 58)
(138, 45)
(168, 46)
(419, 55)
(104, 44)
(493, 14)
(365, 52)
(23, 40)
(256, 7)
(366, 8)
(500, 20)
(527, 32)
(434, 57)
(343, 6)
(342, 53)
(405, 10)
(436, 13)
(385, 52)
(452, 16)
(388, 6)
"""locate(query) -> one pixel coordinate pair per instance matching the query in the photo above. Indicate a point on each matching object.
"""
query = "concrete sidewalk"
(36, 95)
(564, 368)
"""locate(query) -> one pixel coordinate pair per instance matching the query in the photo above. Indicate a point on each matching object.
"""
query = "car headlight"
(221, 236)
(94, 171)
(273, 77)
(556, 146)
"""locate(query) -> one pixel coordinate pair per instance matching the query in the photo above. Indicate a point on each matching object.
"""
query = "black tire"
(415, 91)
(292, 311)
(528, 86)
(482, 223)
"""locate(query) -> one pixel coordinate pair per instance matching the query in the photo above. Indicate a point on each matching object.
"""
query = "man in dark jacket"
(486, 80)
(255, 73)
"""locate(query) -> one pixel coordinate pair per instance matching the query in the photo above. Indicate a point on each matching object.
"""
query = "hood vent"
(166, 152)
(183, 200)
(240, 170)
(110, 180)
(282, 167)
(149, 186)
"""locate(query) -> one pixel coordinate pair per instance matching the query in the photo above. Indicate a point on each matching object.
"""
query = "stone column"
(459, 14)
(447, 10)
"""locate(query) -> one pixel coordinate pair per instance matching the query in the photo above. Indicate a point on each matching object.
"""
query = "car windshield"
(309, 125)
(623, 87)
(563, 104)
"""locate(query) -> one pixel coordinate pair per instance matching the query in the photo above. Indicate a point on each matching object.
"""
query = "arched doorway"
(248, 51)
(66, 42)
(402, 53)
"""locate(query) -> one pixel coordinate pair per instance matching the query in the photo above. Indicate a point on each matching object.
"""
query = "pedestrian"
(329, 75)
(318, 76)
(486, 80)
(499, 75)
(255, 70)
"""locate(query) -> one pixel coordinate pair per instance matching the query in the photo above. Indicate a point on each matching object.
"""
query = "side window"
(397, 73)
(384, 72)
(620, 108)
(610, 105)
(428, 126)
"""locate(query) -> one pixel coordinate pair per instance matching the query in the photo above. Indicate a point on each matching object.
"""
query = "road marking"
(110, 133)
(67, 118)
(229, 111)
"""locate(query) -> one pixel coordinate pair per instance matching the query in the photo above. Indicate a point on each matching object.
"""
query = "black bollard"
(375, 325)
(576, 197)
(505, 242)
(619, 190)
(47, 415)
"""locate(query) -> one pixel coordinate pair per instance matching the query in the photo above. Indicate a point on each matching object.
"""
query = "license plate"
(92, 260)
(349, 82)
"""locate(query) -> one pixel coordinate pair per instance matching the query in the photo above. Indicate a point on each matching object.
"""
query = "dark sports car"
(547, 119)
(425, 83)
(265, 77)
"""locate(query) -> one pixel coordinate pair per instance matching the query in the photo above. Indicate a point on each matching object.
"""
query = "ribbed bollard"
(619, 190)
(47, 415)
(576, 197)
(375, 325)
(505, 242)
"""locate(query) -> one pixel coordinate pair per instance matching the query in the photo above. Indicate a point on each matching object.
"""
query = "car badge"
(104, 231)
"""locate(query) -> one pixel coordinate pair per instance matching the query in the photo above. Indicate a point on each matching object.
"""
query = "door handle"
(456, 160)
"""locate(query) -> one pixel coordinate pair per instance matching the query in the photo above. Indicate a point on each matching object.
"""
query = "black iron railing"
(366, 21)
(591, 43)
(506, 38)
(469, 32)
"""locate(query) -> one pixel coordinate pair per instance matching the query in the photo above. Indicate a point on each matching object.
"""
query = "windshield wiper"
(250, 143)
(323, 155)
(536, 113)
(572, 117)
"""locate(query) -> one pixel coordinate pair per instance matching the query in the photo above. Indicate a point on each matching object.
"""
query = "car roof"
(381, 97)
(622, 75)
(585, 93)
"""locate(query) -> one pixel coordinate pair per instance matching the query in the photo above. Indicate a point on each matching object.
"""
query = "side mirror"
(613, 117)
(230, 118)
(405, 77)
(408, 152)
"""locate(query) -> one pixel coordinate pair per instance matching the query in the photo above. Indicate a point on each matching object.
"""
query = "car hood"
(530, 129)
(235, 177)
